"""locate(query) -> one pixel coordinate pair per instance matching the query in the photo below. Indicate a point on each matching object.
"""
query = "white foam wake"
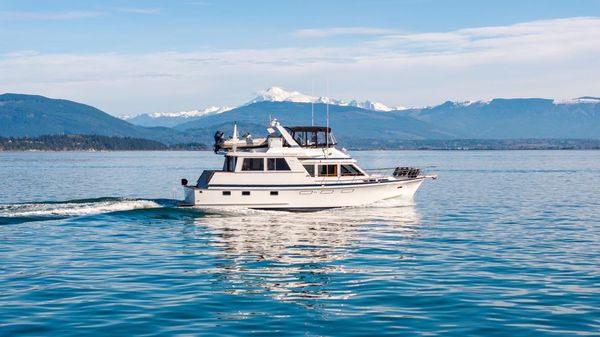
(74, 208)
(390, 203)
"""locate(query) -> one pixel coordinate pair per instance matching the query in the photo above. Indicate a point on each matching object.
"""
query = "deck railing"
(399, 171)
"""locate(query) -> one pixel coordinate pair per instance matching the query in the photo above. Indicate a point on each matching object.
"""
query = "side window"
(230, 164)
(328, 170)
(310, 168)
(277, 164)
(349, 170)
(253, 164)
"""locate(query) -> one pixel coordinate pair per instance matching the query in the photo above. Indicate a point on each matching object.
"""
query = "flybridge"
(295, 136)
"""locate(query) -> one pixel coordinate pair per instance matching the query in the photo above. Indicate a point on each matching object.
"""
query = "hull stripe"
(298, 209)
(309, 185)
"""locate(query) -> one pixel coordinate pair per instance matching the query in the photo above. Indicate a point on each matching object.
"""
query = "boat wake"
(39, 211)
(55, 210)
(390, 203)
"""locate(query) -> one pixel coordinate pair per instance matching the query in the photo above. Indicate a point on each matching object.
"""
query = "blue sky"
(129, 57)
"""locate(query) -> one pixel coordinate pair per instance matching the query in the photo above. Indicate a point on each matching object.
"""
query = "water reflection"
(297, 256)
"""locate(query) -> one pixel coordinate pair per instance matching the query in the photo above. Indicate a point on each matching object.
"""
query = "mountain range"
(171, 119)
(32, 115)
(515, 118)
(272, 94)
(356, 124)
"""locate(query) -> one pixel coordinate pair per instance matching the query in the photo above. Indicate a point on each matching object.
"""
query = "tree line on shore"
(472, 144)
(89, 143)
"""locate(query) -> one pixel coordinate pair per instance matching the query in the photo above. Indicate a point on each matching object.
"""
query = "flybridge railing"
(397, 171)
(382, 174)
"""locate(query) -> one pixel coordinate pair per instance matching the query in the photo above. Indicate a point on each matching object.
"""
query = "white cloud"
(139, 10)
(56, 15)
(520, 41)
(551, 58)
(336, 31)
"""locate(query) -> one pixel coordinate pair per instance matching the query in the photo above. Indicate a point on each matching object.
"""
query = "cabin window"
(230, 164)
(274, 192)
(253, 164)
(277, 164)
(328, 170)
(310, 169)
(245, 192)
(226, 192)
(349, 170)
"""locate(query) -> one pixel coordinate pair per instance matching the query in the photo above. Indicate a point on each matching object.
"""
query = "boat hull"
(301, 197)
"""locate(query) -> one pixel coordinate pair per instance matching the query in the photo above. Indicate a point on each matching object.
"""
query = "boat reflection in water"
(301, 256)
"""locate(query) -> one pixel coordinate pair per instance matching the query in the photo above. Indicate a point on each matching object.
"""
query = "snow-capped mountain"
(469, 103)
(278, 94)
(170, 119)
(185, 114)
(370, 105)
(272, 94)
(571, 101)
(578, 100)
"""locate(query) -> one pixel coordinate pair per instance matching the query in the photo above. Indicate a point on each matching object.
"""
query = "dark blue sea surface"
(503, 244)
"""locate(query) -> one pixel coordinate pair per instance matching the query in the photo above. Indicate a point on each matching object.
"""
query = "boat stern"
(189, 196)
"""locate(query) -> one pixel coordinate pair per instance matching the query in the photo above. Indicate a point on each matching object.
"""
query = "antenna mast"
(327, 130)
(312, 105)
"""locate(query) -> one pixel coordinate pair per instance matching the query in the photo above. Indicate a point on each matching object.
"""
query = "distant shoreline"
(89, 143)
(348, 149)
(361, 150)
(95, 143)
(478, 144)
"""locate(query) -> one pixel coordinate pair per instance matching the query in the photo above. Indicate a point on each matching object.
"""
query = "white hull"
(298, 197)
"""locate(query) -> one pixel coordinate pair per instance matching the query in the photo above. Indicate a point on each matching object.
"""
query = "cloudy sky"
(134, 56)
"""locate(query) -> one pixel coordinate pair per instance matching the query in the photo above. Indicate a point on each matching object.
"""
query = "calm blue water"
(502, 244)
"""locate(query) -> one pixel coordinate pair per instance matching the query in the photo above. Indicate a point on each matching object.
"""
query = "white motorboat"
(296, 169)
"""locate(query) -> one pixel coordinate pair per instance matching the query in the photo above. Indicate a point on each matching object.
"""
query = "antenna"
(327, 130)
(235, 137)
(312, 104)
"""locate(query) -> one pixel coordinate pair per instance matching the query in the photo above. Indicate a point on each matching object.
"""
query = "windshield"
(313, 138)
